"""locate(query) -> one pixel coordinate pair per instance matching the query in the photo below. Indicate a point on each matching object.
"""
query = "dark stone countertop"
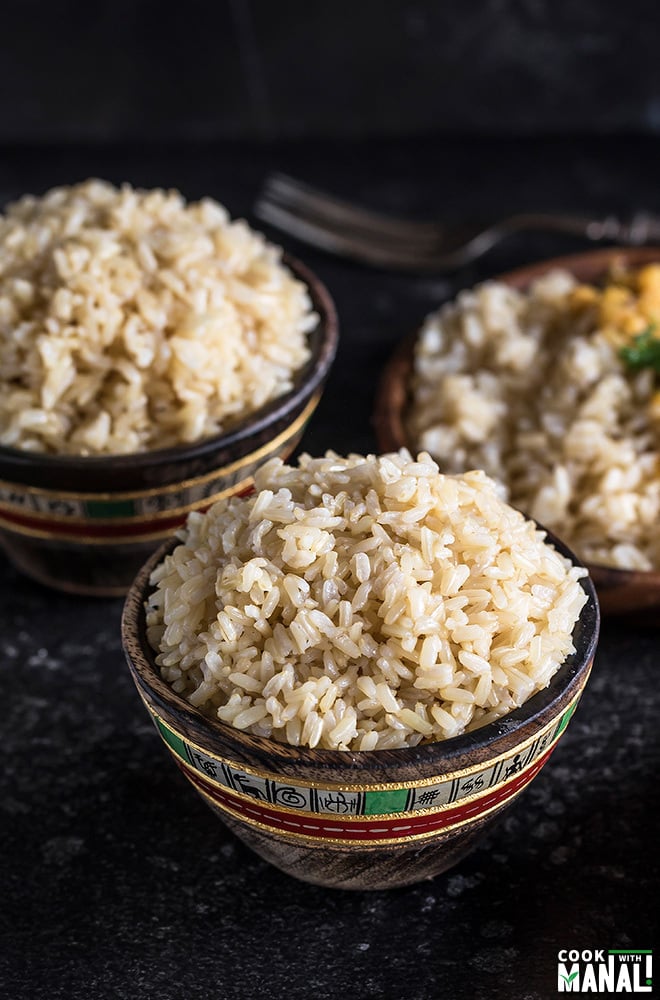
(118, 882)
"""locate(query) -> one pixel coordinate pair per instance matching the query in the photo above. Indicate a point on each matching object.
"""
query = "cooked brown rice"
(537, 395)
(131, 320)
(360, 603)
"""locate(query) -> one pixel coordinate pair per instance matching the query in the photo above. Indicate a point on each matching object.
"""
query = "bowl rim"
(570, 676)
(306, 380)
(392, 392)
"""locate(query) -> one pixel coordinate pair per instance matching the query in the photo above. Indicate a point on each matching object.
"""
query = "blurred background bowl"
(633, 593)
(86, 524)
(369, 819)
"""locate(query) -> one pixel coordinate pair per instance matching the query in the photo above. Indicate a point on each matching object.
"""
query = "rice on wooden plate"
(362, 602)
(132, 320)
(531, 387)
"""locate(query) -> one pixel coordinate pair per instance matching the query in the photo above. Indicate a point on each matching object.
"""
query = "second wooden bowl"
(621, 592)
(86, 525)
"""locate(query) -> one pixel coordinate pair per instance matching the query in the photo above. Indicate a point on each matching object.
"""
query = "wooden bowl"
(359, 820)
(633, 593)
(86, 525)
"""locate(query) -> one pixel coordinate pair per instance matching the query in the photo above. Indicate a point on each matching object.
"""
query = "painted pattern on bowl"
(359, 819)
(341, 814)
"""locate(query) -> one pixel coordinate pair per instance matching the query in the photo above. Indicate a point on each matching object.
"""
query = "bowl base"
(102, 571)
(355, 868)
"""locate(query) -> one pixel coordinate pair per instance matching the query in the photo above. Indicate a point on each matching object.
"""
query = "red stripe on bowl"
(352, 829)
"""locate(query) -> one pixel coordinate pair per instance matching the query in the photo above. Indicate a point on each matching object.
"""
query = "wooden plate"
(633, 593)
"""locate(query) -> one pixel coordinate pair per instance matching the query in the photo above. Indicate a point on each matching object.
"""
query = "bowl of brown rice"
(548, 379)
(155, 352)
(362, 664)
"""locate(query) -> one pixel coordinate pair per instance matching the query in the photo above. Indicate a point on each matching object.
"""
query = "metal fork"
(333, 224)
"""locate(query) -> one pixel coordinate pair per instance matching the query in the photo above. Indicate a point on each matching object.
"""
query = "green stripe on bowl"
(109, 508)
(565, 719)
(378, 803)
(172, 740)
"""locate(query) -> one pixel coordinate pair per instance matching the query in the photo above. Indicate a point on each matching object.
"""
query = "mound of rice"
(360, 603)
(534, 391)
(131, 320)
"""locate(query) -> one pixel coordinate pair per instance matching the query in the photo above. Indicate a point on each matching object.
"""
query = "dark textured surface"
(117, 881)
(140, 69)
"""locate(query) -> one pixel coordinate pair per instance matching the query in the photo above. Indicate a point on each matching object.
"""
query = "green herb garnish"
(644, 352)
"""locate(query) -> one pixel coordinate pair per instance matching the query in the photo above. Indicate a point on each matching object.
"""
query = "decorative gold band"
(315, 841)
(362, 818)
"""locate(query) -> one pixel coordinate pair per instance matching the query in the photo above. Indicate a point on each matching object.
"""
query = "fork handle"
(634, 231)
(640, 228)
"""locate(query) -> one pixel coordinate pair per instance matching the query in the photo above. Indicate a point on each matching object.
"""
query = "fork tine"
(301, 197)
(380, 254)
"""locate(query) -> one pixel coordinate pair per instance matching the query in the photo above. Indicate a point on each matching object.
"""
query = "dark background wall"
(148, 70)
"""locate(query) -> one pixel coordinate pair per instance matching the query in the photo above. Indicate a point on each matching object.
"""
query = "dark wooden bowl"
(359, 820)
(631, 593)
(86, 525)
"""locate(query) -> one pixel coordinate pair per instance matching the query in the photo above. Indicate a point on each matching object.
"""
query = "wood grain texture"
(631, 593)
(363, 868)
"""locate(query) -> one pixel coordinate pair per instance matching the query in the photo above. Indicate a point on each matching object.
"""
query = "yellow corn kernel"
(649, 306)
(634, 323)
(614, 299)
(583, 295)
(654, 406)
(648, 280)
